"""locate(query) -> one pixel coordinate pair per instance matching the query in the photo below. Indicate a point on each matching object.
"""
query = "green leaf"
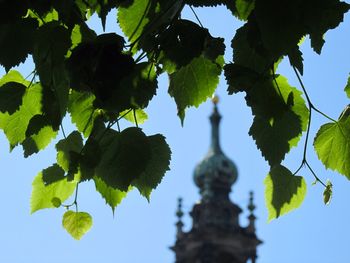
(16, 41)
(332, 145)
(296, 59)
(77, 224)
(195, 83)
(327, 193)
(132, 19)
(212, 3)
(183, 41)
(82, 111)
(322, 15)
(279, 40)
(141, 116)
(56, 202)
(124, 157)
(52, 44)
(240, 78)
(283, 191)
(65, 148)
(15, 125)
(280, 118)
(347, 87)
(156, 168)
(89, 158)
(53, 174)
(39, 134)
(13, 76)
(244, 8)
(249, 52)
(11, 94)
(42, 194)
(137, 89)
(112, 196)
(81, 33)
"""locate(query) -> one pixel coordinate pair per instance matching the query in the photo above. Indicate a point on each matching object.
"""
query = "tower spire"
(215, 118)
(179, 214)
(251, 217)
(216, 173)
(216, 235)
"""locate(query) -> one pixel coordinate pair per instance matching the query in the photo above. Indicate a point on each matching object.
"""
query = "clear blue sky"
(141, 231)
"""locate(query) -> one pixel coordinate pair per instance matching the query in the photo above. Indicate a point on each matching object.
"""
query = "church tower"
(216, 236)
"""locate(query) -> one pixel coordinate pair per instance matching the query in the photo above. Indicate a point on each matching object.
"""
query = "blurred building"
(216, 235)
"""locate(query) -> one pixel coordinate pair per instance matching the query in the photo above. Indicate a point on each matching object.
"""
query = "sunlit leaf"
(244, 8)
(280, 118)
(347, 87)
(77, 224)
(112, 196)
(42, 194)
(140, 115)
(195, 83)
(82, 111)
(332, 145)
(15, 125)
(65, 147)
(284, 191)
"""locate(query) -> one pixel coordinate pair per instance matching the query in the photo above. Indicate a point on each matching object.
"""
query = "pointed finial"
(179, 214)
(251, 206)
(215, 118)
(251, 217)
(215, 99)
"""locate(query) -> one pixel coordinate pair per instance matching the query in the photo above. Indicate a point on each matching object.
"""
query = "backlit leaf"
(195, 83)
(141, 116)
(244, 8)
(82, 111)
(280, 118)
(65, 147)
(347, 87)
(77, 224)
(332, 145)
(112, 196)
(15, 125)
(283, 191)
(42, 194)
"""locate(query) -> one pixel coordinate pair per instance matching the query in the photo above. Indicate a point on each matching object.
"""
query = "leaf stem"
(197, 18)
(75, 201)
(64, 134)
(311, 106)
(314, 174)
(135, 119)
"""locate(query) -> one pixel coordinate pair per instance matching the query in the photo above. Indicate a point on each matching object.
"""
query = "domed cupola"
(216, 173)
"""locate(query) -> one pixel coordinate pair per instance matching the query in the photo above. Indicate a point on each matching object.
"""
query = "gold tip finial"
(215, 99)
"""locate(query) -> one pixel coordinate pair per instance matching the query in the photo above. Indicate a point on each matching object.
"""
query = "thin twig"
(308, 98)
(199, 21)
(135, 119)
(64, 134)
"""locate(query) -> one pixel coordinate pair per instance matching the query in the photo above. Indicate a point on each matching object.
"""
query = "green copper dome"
(216, 173)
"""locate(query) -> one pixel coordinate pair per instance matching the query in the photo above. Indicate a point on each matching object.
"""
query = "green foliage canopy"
(100, 79)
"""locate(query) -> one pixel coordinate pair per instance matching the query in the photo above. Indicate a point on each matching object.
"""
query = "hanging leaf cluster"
(97, 80)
